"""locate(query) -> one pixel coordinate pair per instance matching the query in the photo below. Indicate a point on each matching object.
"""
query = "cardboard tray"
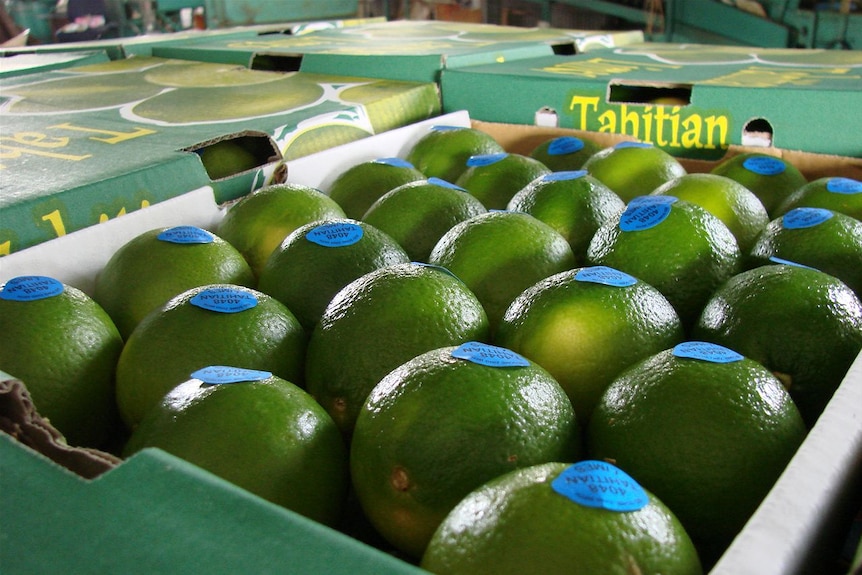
(155, 512)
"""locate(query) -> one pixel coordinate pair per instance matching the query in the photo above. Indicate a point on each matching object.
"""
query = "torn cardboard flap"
(20, 419)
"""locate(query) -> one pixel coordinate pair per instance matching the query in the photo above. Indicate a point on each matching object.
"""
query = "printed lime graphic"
(77, 93)
(323, 137)
(524, 522)
(182, 74)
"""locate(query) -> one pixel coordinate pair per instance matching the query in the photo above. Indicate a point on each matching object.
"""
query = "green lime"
(161, 263)
(705, 429)
(495, 178)
(258, 222)
(318, 259)
(574, 203)
(445, 422)
(728, 200)
(633, 169)
(771, 179)
(359, 186)
(676, 246)
(586, 325)
(257, 431)
(379, 321)
(217, 324)
(547, 519)
(64, 347)
(802, 324)
(823, 239)
(832, 193)
(500, 254)
(443, 151)
(565, 153)
(417, 214)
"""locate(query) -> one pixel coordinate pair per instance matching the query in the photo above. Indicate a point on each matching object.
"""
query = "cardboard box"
(86, 144)
(691, 100)
(413, 50)
(154, 512)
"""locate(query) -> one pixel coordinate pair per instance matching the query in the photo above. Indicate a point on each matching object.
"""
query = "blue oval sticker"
(565, 145)
(394, 162)
(219, 374)
(800, 218)
(564, 175)
(706, 351)
(444, 184)
(599, 484)
(605, 275)
(31, 288)
(186, 235)
(224, 300)
(489, 355)
(485, 159)
(844, 186)
(335, 234)
(645, 212)
(764, 165)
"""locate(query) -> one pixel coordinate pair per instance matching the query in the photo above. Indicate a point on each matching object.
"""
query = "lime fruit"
(832, 193)
(64, 347)
(318, 259)
(705, 429)
(217, 324)
(771, 179)
(574, 203)
(257, 431)
(443, 151)
(258, 223)
(161, 263)
(417, 214)
(495, 178)
(379, 321)
(359, 186)
(444, 423)
(500, 254)
(547, 519)
(728, 200)
(676, 246)
(226, 158)
(804, 325)
(565, 153)
(633, 169)
(586, 325)
(823, 239)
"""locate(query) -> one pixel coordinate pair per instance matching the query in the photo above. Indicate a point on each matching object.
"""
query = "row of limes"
(467, 316)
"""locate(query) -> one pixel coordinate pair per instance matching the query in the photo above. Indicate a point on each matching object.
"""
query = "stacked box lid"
(403, 49)
(85, 144)
(692, 100)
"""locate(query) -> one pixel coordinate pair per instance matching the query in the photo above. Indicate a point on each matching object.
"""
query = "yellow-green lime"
(217, 324)
(257, 431)
(318, 259)
(64, 347)
(359, 186)
(258, 223)
(586, 325)
(499, 254)
(443, 151)
(770, 178)
(823, 239)
(226, 158)
(705, 429)
(565, 153)
(574, 203)
(161, 263)
(726, 199)
(633, 169)
(417, 214)
(560, 518)
(495, 178)
(832, 193)
(676, 246)
(445, 422)
(379, 321)
(804, 325)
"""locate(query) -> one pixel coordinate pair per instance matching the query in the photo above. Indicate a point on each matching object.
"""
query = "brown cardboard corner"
(20, 419)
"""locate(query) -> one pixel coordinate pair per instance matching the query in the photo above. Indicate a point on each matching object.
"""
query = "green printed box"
(410, 50)
(82, 145)
(18, 64)
(692, 100)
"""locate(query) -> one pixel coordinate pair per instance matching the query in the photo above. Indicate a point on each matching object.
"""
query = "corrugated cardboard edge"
(19, 418)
